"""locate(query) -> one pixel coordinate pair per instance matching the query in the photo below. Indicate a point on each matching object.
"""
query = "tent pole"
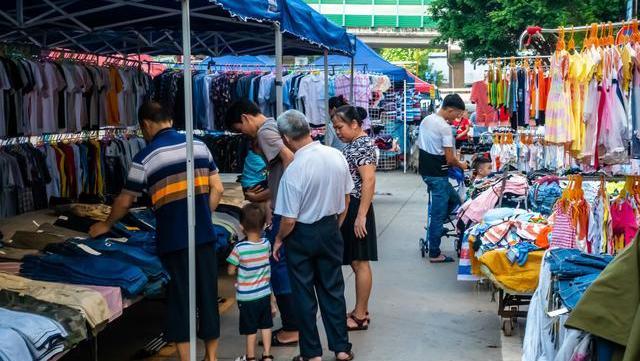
(327, 132)
(404, 121)
(188, 118)
(351, 94)
(279, 95)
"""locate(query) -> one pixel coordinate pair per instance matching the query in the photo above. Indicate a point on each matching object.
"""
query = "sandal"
(349, 358)
(267, 357)
(368, 318)
(446, 259)
(245, 358)
(275, 342)
(299, 358)
(362, 324)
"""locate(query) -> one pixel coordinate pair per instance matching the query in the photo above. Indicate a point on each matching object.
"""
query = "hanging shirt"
(311, 92)
(485, 114)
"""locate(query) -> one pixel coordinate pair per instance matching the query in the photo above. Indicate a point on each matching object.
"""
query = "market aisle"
(419, 310)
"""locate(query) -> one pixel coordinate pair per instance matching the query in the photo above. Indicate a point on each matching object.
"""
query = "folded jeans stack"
(89, 269)
(575, 272)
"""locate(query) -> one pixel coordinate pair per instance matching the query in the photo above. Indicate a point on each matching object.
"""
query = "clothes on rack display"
(49, 95)
(33, 174)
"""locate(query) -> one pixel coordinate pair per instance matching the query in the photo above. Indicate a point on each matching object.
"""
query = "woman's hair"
(350, 114)
(337, 102)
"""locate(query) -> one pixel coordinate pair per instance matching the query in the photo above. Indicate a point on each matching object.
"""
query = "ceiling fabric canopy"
(218, 27)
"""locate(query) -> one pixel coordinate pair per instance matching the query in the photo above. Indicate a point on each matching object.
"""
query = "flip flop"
(349, 358)
(446, 259)
(361, 324)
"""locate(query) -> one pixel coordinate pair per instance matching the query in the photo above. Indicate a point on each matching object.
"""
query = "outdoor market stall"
(150, 27)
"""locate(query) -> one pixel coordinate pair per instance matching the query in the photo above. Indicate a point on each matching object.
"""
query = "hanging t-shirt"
(485, 114)
(311, 91)
(113, 114)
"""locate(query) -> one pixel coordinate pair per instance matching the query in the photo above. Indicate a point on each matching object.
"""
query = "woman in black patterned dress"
(359, 227)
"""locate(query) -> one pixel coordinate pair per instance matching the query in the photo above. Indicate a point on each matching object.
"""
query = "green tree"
(419, 59)
(492, 27)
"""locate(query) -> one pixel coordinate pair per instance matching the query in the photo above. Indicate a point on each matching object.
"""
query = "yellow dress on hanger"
(576, 77)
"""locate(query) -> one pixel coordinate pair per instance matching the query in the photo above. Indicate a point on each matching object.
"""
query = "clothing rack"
(533, 30)
(484, 60)
(285, 67)
(104, 133)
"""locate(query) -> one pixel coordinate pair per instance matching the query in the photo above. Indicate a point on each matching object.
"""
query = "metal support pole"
(191, 206)
(279, 95)
(328, 138)
(351, 94)
(404, 121)
(20, 12)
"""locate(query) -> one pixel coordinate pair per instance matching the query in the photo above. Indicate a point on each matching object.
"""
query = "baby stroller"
(457, 180)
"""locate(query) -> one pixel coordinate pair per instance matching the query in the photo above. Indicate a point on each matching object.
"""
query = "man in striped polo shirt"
(160, 170)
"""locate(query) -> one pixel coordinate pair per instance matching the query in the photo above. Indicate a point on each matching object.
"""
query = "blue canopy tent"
(219, 27)
(375, 63)
(186, 27)
(246, 62)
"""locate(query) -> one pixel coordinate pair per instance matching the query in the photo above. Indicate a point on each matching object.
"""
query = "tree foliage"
(420, 58)
(492, 27)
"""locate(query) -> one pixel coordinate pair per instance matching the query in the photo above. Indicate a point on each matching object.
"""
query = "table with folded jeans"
(96, 270)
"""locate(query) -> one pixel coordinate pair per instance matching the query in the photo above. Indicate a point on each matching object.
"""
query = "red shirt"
(461, 125)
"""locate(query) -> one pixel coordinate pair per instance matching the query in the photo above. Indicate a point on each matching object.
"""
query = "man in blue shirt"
(160, 170)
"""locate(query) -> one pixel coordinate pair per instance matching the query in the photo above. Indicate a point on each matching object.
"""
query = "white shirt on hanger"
(311, 91)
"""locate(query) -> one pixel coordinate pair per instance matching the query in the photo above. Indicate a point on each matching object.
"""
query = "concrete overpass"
(379, 38)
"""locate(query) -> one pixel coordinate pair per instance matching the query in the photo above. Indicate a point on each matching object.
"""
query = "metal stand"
(509, 309)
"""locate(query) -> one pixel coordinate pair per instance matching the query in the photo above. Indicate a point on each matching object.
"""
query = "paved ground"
(419, 311)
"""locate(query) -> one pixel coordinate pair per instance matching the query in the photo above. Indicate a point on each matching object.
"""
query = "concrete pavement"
(419, 311)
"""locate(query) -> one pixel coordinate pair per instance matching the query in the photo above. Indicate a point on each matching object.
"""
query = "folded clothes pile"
(89, 302)
(506, 228)
(71, 319)
(42, 336)
(474, 209)
(90, 269)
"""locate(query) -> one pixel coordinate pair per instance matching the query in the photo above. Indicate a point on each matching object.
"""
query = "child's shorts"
(255, 315)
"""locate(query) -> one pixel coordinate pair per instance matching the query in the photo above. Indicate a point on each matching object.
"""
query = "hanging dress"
(558, 112)
(613, 132)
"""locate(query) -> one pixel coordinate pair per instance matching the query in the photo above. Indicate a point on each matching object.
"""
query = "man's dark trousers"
(314, 257)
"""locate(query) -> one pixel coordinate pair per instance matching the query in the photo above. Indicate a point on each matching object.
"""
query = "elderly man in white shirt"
(312, 200)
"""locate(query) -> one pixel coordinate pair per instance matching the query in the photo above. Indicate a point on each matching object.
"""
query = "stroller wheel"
(422, 248)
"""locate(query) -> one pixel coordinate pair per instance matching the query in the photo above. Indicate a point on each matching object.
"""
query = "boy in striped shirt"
(250, 258)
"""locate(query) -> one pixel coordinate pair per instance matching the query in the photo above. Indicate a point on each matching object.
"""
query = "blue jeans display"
(442, 193)
(43, 336)
(150, 264)
(572, 263)
(143, 239)
(87, 270)
(572, 290)
(543, 197)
